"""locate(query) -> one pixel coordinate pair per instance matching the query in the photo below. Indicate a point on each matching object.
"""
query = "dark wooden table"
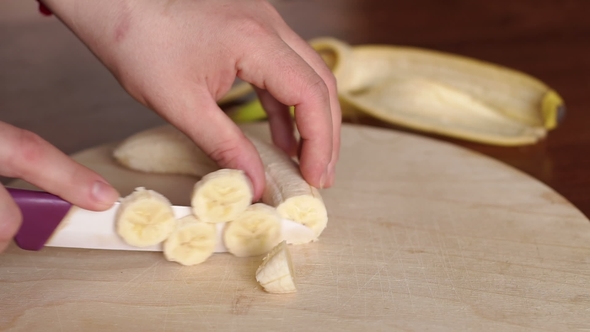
(52, 85)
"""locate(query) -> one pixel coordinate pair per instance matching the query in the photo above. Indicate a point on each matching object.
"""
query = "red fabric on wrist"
(43, 9)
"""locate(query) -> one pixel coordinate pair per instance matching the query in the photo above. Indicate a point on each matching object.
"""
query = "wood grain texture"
(423, 235)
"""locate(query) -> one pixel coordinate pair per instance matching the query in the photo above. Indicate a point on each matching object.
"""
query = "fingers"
(280, 121)
(27, 156)
(198, 116)
(291, 81)
(10, 218)
(316, 62)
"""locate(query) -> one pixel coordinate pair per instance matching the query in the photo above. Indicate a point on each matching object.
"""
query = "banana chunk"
(160, 150)
(192, 242)
(222, 195)
(254, 232)
(145, 218)
(287, 190)
(276, 274)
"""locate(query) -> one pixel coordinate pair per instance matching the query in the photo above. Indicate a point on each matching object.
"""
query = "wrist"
(95, 23)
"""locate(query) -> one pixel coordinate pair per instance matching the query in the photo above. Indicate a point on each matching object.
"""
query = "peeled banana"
(144, 218)
(276, 274)
(159, 150)
(191, 242)
(222, 195)
(254, 232)
(224, 218)
(285, 189)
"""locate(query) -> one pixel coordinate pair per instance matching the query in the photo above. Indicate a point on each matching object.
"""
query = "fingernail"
(104, 193)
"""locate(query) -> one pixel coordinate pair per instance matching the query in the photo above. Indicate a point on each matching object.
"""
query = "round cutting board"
(422, 235)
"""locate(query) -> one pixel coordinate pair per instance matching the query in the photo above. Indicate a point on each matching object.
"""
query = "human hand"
(26, 156)
(179, 56)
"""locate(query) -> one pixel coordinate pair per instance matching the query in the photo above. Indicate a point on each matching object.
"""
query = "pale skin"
(178, 57)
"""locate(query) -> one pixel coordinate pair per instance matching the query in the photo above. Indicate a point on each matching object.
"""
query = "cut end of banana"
(145, 218)
(192, 242)
(222, 195)
(254, 232)
(308, 210)
(276, 274)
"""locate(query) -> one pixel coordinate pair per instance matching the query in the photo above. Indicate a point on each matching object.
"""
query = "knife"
(50, 221)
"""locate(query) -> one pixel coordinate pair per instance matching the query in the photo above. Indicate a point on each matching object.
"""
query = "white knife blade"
(87, 229)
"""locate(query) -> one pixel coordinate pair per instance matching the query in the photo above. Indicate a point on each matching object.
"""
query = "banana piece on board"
(276, 273)
(287, 190)
(160, 150)
(222, 195)
(254, 232)
(191, 242)
(144, 218)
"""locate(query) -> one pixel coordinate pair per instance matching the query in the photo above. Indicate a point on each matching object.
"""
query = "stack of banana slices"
(433, 92)
(223, 218)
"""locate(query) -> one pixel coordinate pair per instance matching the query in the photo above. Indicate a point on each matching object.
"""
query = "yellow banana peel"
(435, 92)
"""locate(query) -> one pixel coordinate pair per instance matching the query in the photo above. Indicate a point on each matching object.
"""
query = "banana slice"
(192, 242)
(222, 195)
(286, 189)
(144, 218)
(254, 232)
(276, 274)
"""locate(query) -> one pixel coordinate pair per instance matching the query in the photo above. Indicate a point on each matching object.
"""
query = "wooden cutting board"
(422, 236)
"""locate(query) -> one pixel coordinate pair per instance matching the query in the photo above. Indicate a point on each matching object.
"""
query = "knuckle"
(252, 27)
(317, 87)
(330, 80)
(267, 8)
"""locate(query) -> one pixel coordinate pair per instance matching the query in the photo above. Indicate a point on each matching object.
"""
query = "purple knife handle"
(42, 213)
